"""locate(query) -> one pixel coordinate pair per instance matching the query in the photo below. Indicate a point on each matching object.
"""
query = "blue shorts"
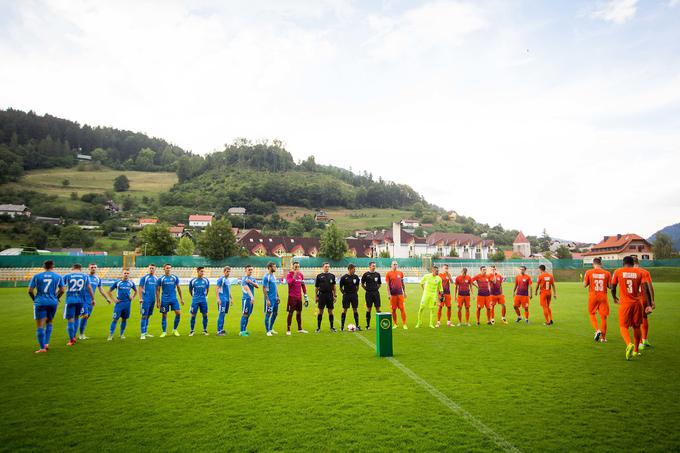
(87, 309)
(274, 307)
(246, 306)
(224, 306)
(147, 308)
(121, 310)
(196, 306)
(44, 311)
(72, 310)
(169, 305)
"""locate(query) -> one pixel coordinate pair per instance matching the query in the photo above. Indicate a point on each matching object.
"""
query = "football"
(351, 327)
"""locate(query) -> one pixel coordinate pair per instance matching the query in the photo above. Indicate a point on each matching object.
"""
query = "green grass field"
(49, 181)
(351, 219)
(539, 388)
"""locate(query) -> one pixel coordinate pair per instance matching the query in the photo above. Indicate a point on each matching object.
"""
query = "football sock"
(467, 315)
(593, 322)
(403, 316)
(625, 334)
(205, 322)
(460, 315)
(546, 314)
(76, 324)
(123, 325)
(433, 314)
(439, 314)
(526, 313)
(356, 318)
(343, 316)
(420, 314)
(220, 322)
(69, 329)
(164, 323)
(637, 336)
(176, 323)
(40, 334)
(517, 311)
(331, 318)
(83, 324)
(448, 313)
(192, 323)
(298, 318)
(645, 328)
(113, 327)
(479, 313)
(603, 321)
(368, 319)
(48, 332)
(394, 316)
(503, 311)
(488, 314)
(319, 317)
(289, 320)
(275, 313)
(267, 316)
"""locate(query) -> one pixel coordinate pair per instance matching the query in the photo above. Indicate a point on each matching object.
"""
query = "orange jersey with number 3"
(630, 280)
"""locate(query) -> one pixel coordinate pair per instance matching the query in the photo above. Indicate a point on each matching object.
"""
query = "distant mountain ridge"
(672, 231)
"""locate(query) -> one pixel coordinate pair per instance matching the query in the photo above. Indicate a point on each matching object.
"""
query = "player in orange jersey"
(545, 283)
(446, 296)
(483, 282)
(630, 308)
(647, 304)
(522, 293)
(462, 294)
(396, 290)
(497, 296)
(598, 281)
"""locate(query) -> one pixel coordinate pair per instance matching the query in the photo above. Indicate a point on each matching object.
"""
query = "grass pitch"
(540, 388)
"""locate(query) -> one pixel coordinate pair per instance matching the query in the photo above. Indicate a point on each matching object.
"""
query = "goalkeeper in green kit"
(433, 291)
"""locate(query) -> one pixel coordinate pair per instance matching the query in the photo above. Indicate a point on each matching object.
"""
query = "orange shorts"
(630, 315)
(446, 302)
(464, 300)
(545, 299)
(500, 299)
(521, 301)
(598, 303)
(483, 301)
(397, 302)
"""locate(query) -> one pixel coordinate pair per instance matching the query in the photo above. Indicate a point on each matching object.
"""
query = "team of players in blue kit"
(161, 292)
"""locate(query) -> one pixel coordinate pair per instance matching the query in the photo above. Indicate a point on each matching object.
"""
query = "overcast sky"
(556, 115)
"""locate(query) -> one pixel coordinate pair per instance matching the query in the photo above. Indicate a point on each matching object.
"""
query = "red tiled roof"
(200, 218)
(616, 244)
(520, 239)
(456, 238)
(141, 221)
(176, 229)
(291, 243)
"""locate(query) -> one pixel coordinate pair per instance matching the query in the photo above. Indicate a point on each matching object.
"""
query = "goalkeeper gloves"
(306, 300)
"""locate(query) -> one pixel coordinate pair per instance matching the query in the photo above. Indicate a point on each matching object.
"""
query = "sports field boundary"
(499, 440)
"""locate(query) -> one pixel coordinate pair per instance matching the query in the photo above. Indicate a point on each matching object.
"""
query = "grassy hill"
(49, 182)
(351, 219)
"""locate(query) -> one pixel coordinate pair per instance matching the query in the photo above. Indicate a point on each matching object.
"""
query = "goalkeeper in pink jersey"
(296, 290)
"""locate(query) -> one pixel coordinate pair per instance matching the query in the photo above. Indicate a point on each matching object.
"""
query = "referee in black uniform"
(349, 287)
(325, 295)
(371, 282)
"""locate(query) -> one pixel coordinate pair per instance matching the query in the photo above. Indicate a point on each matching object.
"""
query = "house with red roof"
(200, 220)
(616, 247)
(259, 244)
(145, 222)
(521, 246)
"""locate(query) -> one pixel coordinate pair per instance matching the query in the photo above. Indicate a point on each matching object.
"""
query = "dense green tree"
(74, 236)
(185, 246)
(217, 241)
(663, 247)
(157, 240)
(36, 237)
(121, 183)
(563, 252)
(145, 159)
(544, 242)
(333, 244)
(498, 255)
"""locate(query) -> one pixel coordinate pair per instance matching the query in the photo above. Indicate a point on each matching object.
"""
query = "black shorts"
(350, 299)
(373, 298)
(326, 301)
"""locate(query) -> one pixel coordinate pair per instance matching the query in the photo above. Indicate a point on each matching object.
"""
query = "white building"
(236, 211)
(521, 246)
(14, 210)
(200, 221)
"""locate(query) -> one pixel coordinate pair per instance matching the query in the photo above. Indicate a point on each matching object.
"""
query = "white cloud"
(616, 11)
(436, 24)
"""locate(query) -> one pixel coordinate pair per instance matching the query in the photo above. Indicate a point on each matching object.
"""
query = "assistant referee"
(371, 283)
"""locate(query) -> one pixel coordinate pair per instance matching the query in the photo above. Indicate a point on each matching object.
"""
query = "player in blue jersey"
(126, 291)
(271, 299)
(223, 299)
(77, 285)
(166, 298)
(148, 285)
(45, 289)
(88, 303)
(198, 288)
(248, 285)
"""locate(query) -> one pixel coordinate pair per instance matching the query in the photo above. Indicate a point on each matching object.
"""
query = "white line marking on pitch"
(446, 401)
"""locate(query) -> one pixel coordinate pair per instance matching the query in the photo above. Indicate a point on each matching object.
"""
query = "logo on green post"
(385, 323)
